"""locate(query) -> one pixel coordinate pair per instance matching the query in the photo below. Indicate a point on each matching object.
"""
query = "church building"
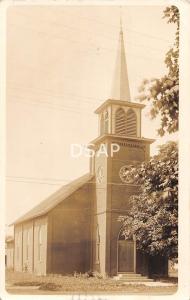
(77, 229)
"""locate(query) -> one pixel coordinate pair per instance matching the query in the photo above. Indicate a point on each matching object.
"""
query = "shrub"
(50, 286)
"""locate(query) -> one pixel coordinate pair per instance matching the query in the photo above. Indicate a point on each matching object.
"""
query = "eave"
(104, 137)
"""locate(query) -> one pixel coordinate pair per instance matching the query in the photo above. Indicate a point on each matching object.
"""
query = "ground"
(24, 283)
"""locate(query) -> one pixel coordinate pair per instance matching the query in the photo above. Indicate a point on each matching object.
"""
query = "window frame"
(40, 244)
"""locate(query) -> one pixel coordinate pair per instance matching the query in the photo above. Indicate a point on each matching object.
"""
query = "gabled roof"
(56, 198)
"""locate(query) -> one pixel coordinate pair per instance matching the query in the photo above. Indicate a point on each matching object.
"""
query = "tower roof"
(120, 86)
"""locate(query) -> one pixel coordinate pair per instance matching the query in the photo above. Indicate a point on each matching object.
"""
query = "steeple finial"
(121, 27)
(120, 86)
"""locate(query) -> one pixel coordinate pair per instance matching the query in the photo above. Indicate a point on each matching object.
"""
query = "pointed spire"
(120, 86)
(121, 27)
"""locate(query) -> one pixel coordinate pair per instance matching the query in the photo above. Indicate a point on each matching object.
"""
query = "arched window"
(120, 122)
(17, 242)
(131, 120)
(97, 245)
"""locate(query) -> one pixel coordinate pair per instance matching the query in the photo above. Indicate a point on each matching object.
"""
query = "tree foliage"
(153, 217)
(163, 93)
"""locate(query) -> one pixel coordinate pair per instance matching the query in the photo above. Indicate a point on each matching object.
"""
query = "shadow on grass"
(45, 286)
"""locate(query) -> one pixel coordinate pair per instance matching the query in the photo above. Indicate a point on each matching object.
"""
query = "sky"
(60, 64)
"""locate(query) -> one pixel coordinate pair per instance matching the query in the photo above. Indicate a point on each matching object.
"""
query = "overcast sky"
(60, 63)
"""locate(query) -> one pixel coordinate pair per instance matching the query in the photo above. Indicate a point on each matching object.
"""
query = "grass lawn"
(24, 283)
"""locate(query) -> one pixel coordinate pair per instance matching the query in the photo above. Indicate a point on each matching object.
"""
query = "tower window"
(120, 122)
(104, 123)
(131, 120)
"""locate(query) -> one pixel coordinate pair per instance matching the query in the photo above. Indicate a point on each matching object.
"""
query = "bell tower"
(119, 123)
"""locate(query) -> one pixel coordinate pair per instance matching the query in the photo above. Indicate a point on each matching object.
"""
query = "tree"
(163, 93)
(153, 217)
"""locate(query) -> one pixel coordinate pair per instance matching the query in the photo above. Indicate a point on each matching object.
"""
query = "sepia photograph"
(92, 109)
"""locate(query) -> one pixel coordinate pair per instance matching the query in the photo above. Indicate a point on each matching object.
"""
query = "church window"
(97, 245)
(17, 252)
(120, 122)
(40, 244)
(17, 238)
(131, 123)
(27, 244)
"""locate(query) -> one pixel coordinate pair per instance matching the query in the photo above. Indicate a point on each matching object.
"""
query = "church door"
(126, 256)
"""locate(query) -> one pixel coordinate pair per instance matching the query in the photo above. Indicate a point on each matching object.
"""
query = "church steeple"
(118, 116)
(120, 85)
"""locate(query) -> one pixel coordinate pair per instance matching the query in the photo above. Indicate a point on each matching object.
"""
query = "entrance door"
(126, 257)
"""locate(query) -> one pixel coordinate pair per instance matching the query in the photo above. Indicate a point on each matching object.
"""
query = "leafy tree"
(163, 93)
(153, 217)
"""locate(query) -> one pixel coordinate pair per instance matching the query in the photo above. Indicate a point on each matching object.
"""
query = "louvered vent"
(131, 123)
(120, 122)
